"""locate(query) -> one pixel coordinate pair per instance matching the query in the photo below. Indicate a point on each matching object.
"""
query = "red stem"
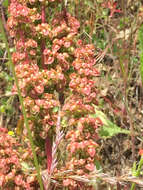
(48, 146)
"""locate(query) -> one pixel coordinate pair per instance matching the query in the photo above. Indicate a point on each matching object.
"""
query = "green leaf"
(5, 3)
(55, 109)
(134, 169)
(89, 3)
(108, 129)
(98, 165)
(2, 109)
(64, 122)
(25, 166)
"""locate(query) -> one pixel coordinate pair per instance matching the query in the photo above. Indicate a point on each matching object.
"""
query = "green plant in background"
(6, 98)
(108, 129)
(136, 170)
(141, 51)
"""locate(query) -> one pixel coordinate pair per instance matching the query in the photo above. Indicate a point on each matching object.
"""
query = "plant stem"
(22, 106)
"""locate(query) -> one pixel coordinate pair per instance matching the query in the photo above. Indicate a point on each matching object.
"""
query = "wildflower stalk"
(22, 106)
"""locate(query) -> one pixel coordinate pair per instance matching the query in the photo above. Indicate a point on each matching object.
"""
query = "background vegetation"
(116, 31)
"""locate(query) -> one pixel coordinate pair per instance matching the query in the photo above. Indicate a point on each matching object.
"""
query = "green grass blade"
(137, 172)
(140, 37)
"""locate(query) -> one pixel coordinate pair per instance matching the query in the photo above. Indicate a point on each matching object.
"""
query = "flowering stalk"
(49, 60)
(22, 106)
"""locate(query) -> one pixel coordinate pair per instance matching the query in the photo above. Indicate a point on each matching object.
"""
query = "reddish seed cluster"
(21, 14)
(81, 140)
(11, 174)
(55, 70)
(36, 79)
(85, 61)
